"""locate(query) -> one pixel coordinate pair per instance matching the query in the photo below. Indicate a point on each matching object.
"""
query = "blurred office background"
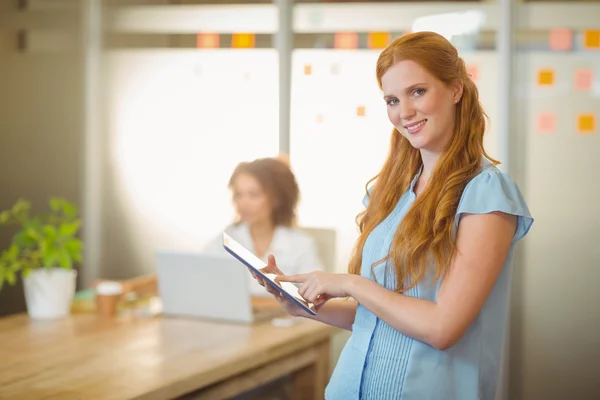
(138, 110)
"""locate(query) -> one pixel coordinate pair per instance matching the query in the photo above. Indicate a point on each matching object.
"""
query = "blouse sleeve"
(492, 190)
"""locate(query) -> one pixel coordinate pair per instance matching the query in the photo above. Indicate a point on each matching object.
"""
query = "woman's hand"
(318, 286)
(288, 306)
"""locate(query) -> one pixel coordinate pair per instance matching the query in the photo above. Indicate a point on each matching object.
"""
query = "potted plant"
(43, 252)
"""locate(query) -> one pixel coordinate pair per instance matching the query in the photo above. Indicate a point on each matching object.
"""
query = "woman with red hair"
(426, 294)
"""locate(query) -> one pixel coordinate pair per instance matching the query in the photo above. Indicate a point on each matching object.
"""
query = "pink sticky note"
(584, 79)
(546, 122)
(473, 72)
(561, 39)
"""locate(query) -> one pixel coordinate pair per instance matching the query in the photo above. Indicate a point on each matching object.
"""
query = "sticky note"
(584, 79)
(307, 69)
(591, 39)
(346, 40)
(561, 39)
(379, 40)
(207, 41)
(586, 124)
(335, 69)
(545, 77)
(473, 72)
(242, 40)
(360, 111)
(546, 122)
(319, 118)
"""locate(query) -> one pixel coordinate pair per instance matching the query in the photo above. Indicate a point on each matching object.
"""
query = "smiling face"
(420, 106)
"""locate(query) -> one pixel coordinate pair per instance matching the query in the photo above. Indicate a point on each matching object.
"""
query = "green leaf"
(21, 210)
(70, 210)
(69, 229)
(50, 232)
(11, 277)
(75, 247)
(20, 206)
(23, 239)
(4, 217)
(56, 204)
(31, 232)
(65, 259)
(13, 252)
(50, 258)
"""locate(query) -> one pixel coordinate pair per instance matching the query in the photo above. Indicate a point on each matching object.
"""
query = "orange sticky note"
(584, 79)
(561, 39)
(360, 111)
(242, 40)
(207, 41)
(473, 72)
(545, 77)
(586, 124)
(591, 39)
(546, 122)
(319, 118)
(346, 40)
(307, 69)
(379, 40)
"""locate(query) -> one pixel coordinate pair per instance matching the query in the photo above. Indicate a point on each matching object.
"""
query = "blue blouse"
(378, 362)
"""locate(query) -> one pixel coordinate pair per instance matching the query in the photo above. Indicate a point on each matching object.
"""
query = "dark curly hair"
(278, 182)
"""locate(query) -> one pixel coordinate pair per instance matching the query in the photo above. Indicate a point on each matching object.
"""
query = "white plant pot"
(49, 292)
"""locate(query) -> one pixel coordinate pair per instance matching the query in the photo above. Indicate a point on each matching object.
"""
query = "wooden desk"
(87, 357)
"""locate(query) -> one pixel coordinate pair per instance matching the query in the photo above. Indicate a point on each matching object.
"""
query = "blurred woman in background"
(265, 196)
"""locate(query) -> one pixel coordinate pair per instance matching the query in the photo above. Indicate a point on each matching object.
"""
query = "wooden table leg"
(309, 382)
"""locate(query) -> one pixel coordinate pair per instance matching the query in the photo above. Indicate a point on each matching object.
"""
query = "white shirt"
(295, 252)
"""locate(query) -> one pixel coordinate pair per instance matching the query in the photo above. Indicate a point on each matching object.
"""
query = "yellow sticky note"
(361, 111)
(242, 40)
(591, 39)
(379, 40)
(545, 77)
(307, 69)
(586, 124)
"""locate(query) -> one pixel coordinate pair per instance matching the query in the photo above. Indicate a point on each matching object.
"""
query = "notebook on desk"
(197, 285)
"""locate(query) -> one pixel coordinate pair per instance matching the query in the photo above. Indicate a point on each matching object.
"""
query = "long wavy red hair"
(426, 231)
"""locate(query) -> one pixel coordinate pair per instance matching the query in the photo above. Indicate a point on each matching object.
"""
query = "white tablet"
(256, 264)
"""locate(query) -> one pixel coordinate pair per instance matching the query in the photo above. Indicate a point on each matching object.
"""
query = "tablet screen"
(256, 264)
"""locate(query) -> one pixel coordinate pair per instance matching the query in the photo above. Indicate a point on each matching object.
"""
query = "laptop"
(206, 286)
